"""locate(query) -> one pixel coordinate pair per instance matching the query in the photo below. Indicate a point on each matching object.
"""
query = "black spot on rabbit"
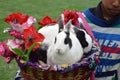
(84, 39)
(81, 37)
(41, 54)
(68, 40)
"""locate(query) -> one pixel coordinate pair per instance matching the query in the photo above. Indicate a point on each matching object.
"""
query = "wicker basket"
(31, 73)
(79, 71)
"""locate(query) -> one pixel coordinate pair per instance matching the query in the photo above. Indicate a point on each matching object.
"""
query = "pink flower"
(6, 52)
(2, 49)
(15, 34)
(9, 59)
(12, 44)
(31, 20)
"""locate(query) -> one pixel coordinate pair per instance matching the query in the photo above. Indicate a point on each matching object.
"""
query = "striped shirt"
(108, 35)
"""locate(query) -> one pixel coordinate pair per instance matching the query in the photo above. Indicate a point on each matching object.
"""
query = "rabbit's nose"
(59, 51)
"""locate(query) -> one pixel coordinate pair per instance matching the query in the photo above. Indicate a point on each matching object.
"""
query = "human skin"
(110, 8)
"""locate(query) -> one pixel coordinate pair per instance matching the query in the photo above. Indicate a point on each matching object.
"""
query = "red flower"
(30, 36)
(16, 18)
(46, 20)
(70, 15)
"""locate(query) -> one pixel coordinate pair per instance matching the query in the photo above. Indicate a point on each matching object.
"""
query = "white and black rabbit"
(50, 31)
(65, 47)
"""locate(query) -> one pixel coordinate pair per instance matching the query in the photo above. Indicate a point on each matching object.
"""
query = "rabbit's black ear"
(61, 23)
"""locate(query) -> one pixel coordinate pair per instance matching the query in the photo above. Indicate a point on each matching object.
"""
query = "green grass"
(38, 9)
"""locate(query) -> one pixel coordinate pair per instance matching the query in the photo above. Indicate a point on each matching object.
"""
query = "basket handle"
(86, 26)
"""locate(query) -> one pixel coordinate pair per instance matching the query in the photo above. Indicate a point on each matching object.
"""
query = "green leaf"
(30, 49)
(21, 53)
(39, 28)
(18, 51)
(25, 58)
(40, 43)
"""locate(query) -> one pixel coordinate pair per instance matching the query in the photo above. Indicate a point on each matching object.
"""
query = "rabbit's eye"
(55, 40)
(68, 41)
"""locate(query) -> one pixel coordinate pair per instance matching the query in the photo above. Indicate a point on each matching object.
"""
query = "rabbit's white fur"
(49, 32)
(61, 53)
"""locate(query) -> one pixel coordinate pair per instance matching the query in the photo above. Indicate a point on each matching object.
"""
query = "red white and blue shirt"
(108, 35)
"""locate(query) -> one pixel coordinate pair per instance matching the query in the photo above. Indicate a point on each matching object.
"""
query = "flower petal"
(46, 20)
